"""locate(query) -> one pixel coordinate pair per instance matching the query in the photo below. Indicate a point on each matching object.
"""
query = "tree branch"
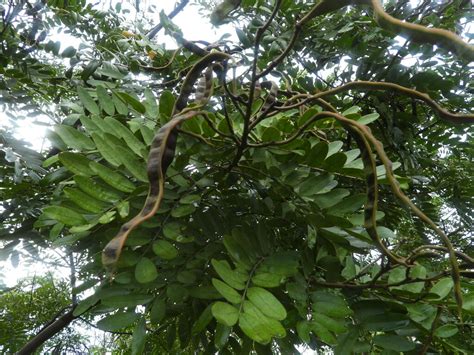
(152, 33)
(47, 333)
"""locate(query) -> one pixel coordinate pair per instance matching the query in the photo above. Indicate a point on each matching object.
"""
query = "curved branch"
(47, 333)
(419, 252)
(457, 118)
(417, 33)
(152, 33)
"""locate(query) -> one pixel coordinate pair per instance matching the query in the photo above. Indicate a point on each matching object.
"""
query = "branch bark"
(172, 14)
(47, 333)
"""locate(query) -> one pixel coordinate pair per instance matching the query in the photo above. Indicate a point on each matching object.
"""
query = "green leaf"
(182, 211)
(226, 291)
(69, 52)
(266, 303)
(87, 101)
(83, 200)
(225, 313)
(177, 293)
(107, 217)
(237, 251)
(90, 68)
(330, 198)
(105, 101)
(133, 102)
(330, 304)
(323, 333)
(106, 150)
(165, 250)
(85, 305)
(76, 163)
(316, 184)
(333, 325)
(136, 167)
(73, 138)
(371, 117)
(348, 205)
(120, 106)
(89, 124)
(130, 300)
(423, 314)
(297, 291)
(117, 321)
(189, 199)
(266, 279)
(139, 337)
(243, 38)
(158, 310)
(284, 264)
(442, 288)
(145, 271)
(385, 322)
(351, 111)
(112, 178)
(110, 70)
(254, 328)
(271, 326)
(64, 215)
(317, 154)
(92, 188)
(335, 162)
(271, 134)
(394, 342)
(446, 331)
(418, 271)
(150, 104)
(222, 335)
(303, 330)
(147, 133)
(203, 320)
(186, 277)
(468, 302)
(166, 104)
(133, 142)
(84, 286)
(228, 275)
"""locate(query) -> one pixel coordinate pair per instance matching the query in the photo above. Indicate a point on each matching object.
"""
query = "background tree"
(281, 223)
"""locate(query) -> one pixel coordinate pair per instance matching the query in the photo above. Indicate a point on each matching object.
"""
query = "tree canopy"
(302, 183)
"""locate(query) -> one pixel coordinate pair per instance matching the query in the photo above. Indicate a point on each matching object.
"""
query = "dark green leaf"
(139, 337)
(88, 101)
(105, 101)
(145, 271)
(165, 250)
(117, 321)
(64, 215)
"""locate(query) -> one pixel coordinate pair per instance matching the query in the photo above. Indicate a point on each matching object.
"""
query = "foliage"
(267, 238)
(29, 306)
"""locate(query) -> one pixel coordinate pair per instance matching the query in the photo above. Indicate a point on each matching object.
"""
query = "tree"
(28, 307)
(314, 194)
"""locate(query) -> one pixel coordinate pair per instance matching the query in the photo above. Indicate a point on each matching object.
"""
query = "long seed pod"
(161, 155)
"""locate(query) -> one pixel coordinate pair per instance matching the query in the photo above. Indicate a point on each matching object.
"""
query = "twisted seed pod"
(162, 153)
